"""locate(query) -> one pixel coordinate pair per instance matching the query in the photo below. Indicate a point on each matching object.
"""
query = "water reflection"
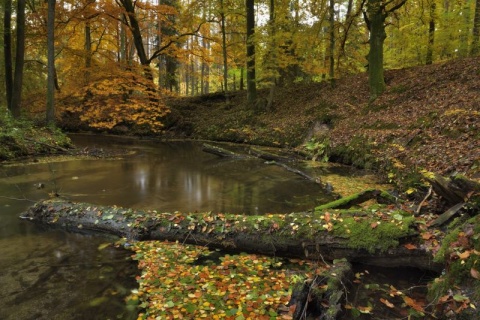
(179, 176)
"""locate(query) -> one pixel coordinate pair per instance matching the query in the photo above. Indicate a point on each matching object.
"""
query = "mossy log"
(358, 198)
(322, 296)
(313, 235)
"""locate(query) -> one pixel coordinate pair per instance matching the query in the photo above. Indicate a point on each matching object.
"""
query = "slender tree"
(476, 30)
(7, 43)
(251, 78)
(15, 107)
(331, 48)
(224, 49)
(431, 33)
(50, 115)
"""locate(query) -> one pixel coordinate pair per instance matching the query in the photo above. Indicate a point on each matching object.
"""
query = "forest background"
(258, 72)
(112, 63)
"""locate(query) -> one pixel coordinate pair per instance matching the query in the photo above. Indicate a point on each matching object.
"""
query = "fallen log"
(312, 235)
(455, 189)
(222, 152)
(358, 198)
(256, 153)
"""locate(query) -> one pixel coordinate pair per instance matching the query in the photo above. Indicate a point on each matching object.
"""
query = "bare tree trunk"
(50, 115)
(431, 34)
(331, 20)
(224, 50)
(377, 18)
(19, 60)
(7, 43)
(88, 51)
(476, 30)
(122, 55)
(242, 84)
(251, 78)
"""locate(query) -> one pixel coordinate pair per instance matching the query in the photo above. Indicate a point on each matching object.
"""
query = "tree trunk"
(331, 49)
(224, 50)
(19, 60)
(50, 115)
(88, 51)
(431, 34)
(299, 235)
(171, 63)
(476, 30)
(129, 6)
(463, 50)
(241, 82)
(122, 53)
(7, 44)
(377, 18)
(251, 78)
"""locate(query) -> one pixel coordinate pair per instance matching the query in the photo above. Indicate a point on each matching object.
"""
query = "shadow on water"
(50, 274)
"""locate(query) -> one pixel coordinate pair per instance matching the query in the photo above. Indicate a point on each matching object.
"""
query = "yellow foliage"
(118, 97)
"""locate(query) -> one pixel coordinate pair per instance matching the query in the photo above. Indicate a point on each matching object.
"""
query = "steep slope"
(428, 119)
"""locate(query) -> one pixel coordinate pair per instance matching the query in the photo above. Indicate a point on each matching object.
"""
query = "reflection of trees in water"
(55, 275)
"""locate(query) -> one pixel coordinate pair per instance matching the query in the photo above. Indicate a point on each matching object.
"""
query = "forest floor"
(428, 119)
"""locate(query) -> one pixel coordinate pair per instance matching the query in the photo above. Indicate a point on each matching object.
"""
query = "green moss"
(374, 235)
(20, 137)
(458, 253)
(357, 153)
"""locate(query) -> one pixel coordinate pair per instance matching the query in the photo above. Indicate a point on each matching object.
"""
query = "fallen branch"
(49, 145)
(222, 152)
(420, 205)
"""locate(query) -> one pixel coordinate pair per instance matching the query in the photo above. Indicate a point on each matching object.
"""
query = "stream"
(51, 274)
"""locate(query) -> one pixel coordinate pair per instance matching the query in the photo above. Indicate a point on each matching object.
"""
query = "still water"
(51, 274)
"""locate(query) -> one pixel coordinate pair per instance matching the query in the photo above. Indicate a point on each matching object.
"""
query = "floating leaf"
(410, 246)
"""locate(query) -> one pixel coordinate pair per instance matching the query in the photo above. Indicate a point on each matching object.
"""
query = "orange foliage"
(117, 97)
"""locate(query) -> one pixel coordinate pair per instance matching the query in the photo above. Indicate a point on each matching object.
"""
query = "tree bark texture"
(431, 34)
(224, 50)
(7, 44)
(456, 189)
(19, 60)
(251, 77)
(50, 115)
(280, 235)
(476, 30)
(377, 18)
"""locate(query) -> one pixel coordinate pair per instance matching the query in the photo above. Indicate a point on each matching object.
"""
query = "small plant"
(318, 149)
